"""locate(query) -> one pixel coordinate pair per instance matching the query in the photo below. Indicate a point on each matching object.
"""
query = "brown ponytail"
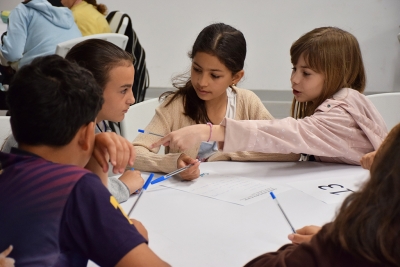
(100, 7)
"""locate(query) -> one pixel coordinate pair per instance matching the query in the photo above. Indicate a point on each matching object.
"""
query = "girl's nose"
(131, 99)
(294, 78)
(202, 80)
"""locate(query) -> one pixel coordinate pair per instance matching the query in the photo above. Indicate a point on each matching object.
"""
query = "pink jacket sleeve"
(332, 134)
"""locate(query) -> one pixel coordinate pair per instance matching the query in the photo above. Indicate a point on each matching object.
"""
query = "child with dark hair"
(332, 121)
(113, 71)
(208, 95)
(71, 215)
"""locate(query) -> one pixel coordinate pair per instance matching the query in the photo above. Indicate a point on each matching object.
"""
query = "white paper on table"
(331, 189)
(229, 188)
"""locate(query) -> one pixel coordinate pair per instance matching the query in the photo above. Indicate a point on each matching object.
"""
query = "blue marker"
(287, 219)
(169, 175)
(146, 184)
(143, 131)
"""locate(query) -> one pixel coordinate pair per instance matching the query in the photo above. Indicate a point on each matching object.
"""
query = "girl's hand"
(185, 137)
(4, 261)
(133, 180)
(304, 234)
(367, 160)
(191, 173)
(119, 151)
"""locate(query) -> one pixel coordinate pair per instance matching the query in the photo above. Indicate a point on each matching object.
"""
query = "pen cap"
(147, 183)
(272, 195)
(140, 130)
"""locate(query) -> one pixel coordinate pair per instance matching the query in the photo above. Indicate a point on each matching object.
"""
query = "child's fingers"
(162, 142)
(6, 252)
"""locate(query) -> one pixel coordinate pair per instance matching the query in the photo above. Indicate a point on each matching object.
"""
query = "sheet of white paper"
(234, 189)
(330, 189)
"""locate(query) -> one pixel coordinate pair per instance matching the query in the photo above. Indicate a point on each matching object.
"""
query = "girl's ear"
(237, 77)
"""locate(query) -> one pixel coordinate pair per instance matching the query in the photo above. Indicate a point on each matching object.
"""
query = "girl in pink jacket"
(331, 119)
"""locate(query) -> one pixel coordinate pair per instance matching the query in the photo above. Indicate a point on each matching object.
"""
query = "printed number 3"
(331, 186)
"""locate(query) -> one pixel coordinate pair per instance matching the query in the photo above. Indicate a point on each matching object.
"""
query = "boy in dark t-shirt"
(52, 210)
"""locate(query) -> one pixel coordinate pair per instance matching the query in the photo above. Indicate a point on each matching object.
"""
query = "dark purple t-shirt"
(59, 215)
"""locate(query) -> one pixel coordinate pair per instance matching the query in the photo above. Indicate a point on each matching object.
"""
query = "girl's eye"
(215, 76)
(124, 91)
(306, 73)
(196, 69)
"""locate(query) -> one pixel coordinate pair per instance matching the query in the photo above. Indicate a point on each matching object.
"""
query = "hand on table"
(117, 149)
(304, 234)
(367, 160)
(191, 173)
(4, 261)
(133, 180)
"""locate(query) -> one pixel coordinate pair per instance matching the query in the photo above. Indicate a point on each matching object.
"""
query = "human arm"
(96, 226)
(124, 186)
(325, 134)
(140, 256)
(132, 179)
(6, 261)
(188, 136)
(166, 119)
(250, 107)
(304, 234)
(14, 42)
(367, 160)
(320, 251)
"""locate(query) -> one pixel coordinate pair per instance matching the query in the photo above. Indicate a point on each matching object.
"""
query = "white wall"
(167, 30)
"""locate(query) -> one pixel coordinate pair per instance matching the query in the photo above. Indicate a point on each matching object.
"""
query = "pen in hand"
(146, 184)
(284, 214)
(143, 131)
(169, 175)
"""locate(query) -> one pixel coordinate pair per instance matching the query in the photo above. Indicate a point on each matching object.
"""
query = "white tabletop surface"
(192, 230)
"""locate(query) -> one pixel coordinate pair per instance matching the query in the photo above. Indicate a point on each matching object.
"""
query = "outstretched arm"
(187, 137)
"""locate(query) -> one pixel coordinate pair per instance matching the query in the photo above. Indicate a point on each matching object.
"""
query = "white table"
(192, 230)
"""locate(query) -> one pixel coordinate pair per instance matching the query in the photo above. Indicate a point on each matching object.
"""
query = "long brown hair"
(368, 223)
(222, 41)
(336, 54)
(99, 57)
(100, 7)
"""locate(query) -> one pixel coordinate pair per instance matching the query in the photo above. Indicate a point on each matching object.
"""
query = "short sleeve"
(94, 225)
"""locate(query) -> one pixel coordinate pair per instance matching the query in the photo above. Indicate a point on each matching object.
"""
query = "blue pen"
(143, 131)
(146, 184)
(287, 219)
(169, 175)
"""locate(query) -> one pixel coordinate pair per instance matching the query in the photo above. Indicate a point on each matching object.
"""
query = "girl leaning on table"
(366, 229)
(208, 95)
(332, 121)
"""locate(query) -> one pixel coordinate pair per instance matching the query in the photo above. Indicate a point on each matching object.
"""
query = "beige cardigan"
(171, 118)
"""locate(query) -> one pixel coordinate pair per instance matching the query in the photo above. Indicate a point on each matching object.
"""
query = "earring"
(233, 84)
